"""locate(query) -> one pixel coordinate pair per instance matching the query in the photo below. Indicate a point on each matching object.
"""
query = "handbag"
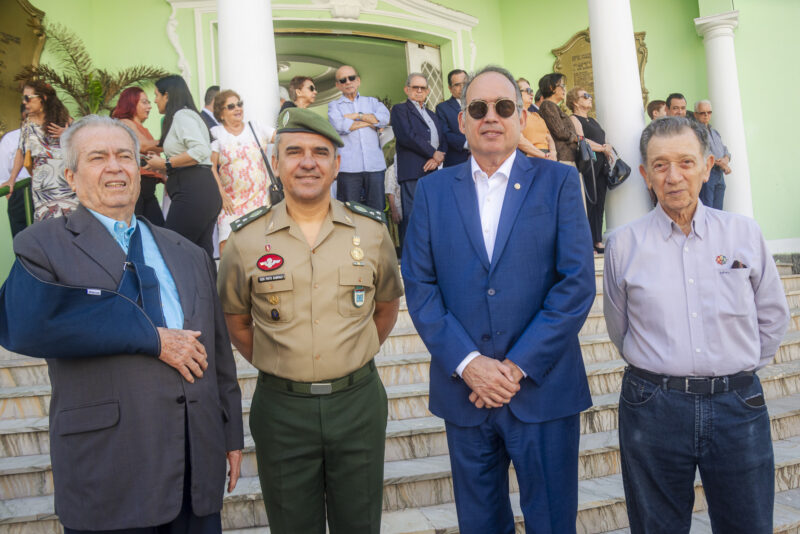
(275, 185)
(584, 161)
(28, 162)
(616, 173)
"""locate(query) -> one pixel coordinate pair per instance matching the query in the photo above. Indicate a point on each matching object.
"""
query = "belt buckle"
(321, 388)
(689, 379)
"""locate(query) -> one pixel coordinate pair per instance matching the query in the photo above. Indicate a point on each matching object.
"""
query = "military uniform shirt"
(312, 307)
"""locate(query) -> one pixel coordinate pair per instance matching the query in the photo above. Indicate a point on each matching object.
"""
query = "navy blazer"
(447, 112)
(527, 305)
(413, 140)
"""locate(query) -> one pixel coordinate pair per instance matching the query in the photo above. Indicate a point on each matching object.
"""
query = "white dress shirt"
(8, 150)
(707, 304)
(491, 191)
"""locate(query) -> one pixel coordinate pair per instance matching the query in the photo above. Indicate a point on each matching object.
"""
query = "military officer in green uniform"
(310, 290)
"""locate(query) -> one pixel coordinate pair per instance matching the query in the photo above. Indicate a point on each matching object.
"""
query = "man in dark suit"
(447, 111)
(207, 113)
(139, 358)
(421, 144)
(499, 278)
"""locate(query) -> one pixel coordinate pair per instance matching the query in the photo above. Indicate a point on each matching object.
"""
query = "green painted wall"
(767, 60)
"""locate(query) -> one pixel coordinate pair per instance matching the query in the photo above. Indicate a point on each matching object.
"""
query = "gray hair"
(670, 126)
(69, 147)
(498, 70)
(699, 102)
(415, 75)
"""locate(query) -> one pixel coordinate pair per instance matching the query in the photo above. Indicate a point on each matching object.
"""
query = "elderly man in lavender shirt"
(358, 119)
(694, 303)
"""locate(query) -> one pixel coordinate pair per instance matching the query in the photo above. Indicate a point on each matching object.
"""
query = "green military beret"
(304, 120)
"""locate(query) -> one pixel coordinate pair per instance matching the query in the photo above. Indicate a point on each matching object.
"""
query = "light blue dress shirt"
(362, 148)
(170, 300)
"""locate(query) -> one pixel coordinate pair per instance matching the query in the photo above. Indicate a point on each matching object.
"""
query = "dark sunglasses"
(505, 107)
(704, 113)
(528, 90)
(312, 88)
(28, 98)
(231, 107)
(352, 78)
(587, 96)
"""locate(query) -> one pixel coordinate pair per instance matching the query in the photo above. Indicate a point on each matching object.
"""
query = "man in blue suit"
(447, 111)
(421, 144)
(499, 278)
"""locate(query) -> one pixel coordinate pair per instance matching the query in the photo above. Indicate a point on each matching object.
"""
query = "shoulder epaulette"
(244, 220)
(366, 211)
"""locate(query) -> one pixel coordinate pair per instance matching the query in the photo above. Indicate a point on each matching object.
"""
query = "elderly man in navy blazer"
(447, 111)
(421, 144)
(499, 278)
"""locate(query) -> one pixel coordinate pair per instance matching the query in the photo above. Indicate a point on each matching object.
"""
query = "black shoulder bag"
(275, 185)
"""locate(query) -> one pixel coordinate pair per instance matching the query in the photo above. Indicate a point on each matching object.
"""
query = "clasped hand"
(493, 383)
(182, 350)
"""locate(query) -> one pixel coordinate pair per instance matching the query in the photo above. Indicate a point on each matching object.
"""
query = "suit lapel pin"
(517, 186)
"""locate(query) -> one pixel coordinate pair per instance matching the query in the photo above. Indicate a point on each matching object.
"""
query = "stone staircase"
(418, 495)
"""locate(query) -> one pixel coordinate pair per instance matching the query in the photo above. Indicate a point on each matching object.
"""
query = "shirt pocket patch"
(275, 299)
(734, 291)
(356, 290)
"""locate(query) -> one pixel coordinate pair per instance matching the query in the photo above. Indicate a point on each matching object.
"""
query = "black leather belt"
(700, 385)
(317, 388)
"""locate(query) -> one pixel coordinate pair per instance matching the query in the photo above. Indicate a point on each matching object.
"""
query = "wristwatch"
(360, 116)
(168, 165)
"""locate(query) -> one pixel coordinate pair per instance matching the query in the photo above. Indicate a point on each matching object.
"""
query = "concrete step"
(784, 267)
(791, 282)
(793, 297)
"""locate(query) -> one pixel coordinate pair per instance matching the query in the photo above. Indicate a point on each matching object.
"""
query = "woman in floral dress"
(236, 161)
(40, 134)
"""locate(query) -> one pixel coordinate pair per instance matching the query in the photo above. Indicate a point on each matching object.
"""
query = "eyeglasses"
(587, 96)
(505, 107)
(312, 88)
(418, 87)
(351, 78)
(528, 90)
(28, 98)
(232, 106)
(702, 113)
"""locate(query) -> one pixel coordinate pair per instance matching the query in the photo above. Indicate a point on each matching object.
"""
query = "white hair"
(69, 147)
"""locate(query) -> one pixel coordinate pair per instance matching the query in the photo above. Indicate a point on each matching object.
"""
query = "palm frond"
(69, 49)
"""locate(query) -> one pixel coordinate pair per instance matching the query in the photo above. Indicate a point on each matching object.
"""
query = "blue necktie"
(140, 283)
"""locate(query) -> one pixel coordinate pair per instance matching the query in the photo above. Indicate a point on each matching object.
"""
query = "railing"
(22, 187)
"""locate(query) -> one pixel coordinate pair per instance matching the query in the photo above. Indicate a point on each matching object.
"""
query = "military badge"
(359, 294)
(269, 262)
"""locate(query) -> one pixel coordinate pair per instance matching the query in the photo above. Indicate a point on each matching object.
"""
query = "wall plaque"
(574, 60)
(21, 43)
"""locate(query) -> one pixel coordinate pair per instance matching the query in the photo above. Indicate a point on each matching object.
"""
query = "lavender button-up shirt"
(362, 148)
(679, 305)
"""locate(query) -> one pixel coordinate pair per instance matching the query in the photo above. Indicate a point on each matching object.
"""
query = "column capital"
(719, 25)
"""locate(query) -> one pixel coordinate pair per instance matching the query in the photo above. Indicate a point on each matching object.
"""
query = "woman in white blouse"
(237, 161)
(194, 196)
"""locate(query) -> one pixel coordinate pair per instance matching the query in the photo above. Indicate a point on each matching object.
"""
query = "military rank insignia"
(359, 294)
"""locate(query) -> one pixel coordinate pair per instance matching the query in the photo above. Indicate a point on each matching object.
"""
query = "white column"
(723, 89)
(247, 62)
(618, 100)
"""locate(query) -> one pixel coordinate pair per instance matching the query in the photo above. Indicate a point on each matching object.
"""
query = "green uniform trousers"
(321, 455)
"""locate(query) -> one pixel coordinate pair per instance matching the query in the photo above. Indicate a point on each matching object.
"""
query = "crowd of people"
(498, 228)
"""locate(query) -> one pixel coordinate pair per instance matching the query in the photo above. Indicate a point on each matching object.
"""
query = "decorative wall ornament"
(347, 9)
(172, 35)
(574, 60)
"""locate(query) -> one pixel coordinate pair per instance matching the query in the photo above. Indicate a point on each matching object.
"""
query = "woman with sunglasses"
(236, 161)
(39, 137)
(133, 108)
(194, 196)
(535, 141)
(579, 101)
(302, 92)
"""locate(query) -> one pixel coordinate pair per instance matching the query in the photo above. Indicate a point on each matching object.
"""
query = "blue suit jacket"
(413, 140)
(527, 305)
(448, 112)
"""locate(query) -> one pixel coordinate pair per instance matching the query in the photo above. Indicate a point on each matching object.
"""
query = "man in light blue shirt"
(358, 119)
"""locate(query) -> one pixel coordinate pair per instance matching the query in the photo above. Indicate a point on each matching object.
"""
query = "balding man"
(358, 119)
(713, 191)
(145, 400)
(499, 279)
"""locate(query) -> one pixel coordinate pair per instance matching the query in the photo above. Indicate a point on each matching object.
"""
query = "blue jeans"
(666, 435)
(545, 457)
(351, 185)
(713, 191)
